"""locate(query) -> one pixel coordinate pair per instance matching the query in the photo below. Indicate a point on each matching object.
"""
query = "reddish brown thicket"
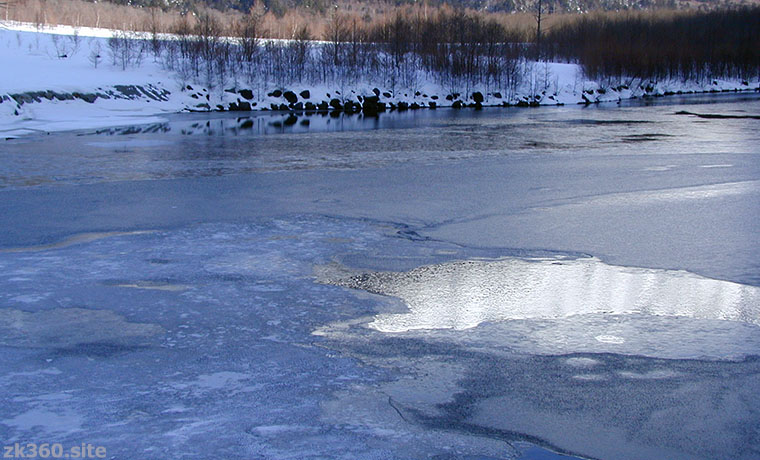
(656, 45)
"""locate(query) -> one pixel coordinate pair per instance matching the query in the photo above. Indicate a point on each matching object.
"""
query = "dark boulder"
(477, 96)
(351, 107)
(456, 105)
(497, 95)
(386, 94)
(290, 96)
(246, 93)
(305, 94)
(275, 93)
(310, 106)
(244, 105)
(376, 91)
(335, 104)
(64, 96)
(371, 104)
(323, 105)
(87, 97)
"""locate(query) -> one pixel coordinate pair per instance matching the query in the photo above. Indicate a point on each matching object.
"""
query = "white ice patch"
(72, 240)
(463, 294)
(31, 298)
(277, 430)
(152, 285)
(45, 420)
(230, 382)
(220, 380)
(590, 377)
(651, 375)
(68, 327)
(267, 264)
(670, 195)
(659, 168)
(132, 143)
(581, 362)
(610, 339)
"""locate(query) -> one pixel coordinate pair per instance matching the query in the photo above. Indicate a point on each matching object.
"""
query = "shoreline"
(42, 91)
(125, 118)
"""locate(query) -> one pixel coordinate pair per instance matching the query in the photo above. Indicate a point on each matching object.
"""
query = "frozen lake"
(539, 283)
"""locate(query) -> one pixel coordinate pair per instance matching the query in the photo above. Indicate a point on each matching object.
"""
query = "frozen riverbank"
(63, 78)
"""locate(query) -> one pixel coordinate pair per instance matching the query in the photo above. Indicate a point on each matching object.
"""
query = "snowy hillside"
(64, 78)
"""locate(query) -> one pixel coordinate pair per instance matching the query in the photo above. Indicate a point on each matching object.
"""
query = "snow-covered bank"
(65, 78)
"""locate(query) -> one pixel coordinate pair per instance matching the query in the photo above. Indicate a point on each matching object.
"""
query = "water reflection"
(258, 124)
(464, 294)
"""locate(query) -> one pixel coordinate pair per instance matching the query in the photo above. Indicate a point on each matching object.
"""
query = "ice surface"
(462, 295)
(238, 353)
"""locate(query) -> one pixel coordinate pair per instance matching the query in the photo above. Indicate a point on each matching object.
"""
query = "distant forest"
(324, 6)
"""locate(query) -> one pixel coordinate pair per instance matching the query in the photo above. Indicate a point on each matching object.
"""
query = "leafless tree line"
(456, 48)
(459, 49)
(685, 45)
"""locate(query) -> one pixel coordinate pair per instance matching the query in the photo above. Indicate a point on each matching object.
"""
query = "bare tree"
(95, 56)
(537, 14)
